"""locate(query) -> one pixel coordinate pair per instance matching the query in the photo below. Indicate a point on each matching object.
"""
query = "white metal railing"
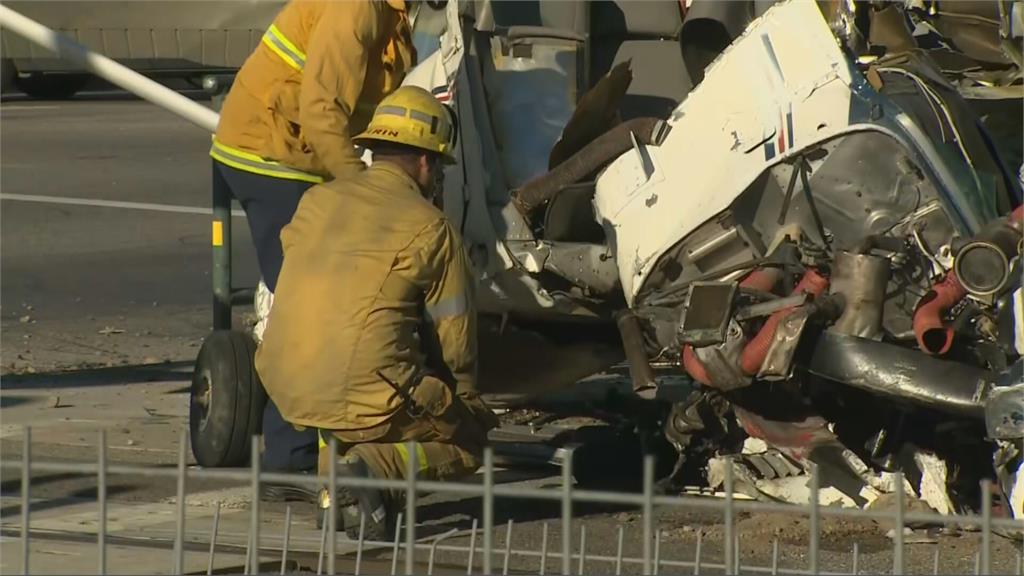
(406, 545)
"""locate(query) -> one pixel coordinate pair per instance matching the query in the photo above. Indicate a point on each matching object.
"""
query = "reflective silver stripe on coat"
(454, 306)
(252, 163)
(284, 48)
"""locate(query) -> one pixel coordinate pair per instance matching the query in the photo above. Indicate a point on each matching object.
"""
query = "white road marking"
(114, 204)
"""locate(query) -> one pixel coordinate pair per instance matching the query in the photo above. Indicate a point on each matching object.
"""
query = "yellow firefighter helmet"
(413, 117)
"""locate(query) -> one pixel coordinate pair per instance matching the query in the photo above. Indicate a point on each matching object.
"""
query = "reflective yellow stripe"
(320, 442)
(218, 233)
(284, 48)
(250, 162)
(421, 456)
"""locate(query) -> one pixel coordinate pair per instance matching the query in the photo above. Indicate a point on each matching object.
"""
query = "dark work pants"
(269, 205)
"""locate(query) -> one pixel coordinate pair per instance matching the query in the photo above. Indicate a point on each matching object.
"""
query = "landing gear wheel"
(227, 400)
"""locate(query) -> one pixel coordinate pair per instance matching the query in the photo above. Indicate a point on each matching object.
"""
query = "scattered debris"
(766, 473)
(108, 330)
(911, 536)
(25, 319)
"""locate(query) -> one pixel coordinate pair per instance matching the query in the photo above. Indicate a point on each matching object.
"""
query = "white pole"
(109, 70)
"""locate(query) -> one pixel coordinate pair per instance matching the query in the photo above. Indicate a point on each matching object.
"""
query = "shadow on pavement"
(75, 497)
(98, 89)
(106, 376)
(519, 510)
(10, 401)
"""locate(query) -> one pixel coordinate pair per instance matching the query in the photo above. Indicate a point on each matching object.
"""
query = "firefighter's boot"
(372, 513)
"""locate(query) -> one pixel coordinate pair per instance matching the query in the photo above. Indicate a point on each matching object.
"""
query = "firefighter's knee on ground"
(430, 460)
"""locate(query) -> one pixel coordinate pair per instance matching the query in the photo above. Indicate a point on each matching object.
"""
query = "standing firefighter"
(314, 80)
(372, 338)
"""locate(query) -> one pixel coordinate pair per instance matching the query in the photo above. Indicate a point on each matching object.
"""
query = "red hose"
(763, 279)
(933, 336)
(755, 351)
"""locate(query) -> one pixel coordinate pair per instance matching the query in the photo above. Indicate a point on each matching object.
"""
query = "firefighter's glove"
(478, 410)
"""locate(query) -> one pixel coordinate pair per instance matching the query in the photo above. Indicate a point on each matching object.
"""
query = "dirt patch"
(757, 532)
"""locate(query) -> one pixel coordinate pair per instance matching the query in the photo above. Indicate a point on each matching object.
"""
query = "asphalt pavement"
(105, 234)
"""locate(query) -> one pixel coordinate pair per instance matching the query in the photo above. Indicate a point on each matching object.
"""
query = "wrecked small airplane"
(795, 205)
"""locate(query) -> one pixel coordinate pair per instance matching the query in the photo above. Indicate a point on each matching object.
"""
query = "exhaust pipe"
(902, 374)
(640, 372)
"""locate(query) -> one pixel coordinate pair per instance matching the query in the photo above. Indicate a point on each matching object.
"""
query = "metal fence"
(480, 556)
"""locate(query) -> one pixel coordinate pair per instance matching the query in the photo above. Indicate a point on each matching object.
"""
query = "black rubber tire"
(227, 400)
(51, 86)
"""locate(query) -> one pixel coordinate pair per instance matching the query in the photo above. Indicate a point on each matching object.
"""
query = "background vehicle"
(162, 39)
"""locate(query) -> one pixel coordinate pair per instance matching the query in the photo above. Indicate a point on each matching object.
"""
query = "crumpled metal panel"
(861, 279)
(1010, 471)
(778, 363)
(589, 266)
(1004, 409)
(727, 133)
(722, 361)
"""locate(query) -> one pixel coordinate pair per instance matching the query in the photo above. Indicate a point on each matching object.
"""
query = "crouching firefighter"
(311, 83)
(372, 337)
